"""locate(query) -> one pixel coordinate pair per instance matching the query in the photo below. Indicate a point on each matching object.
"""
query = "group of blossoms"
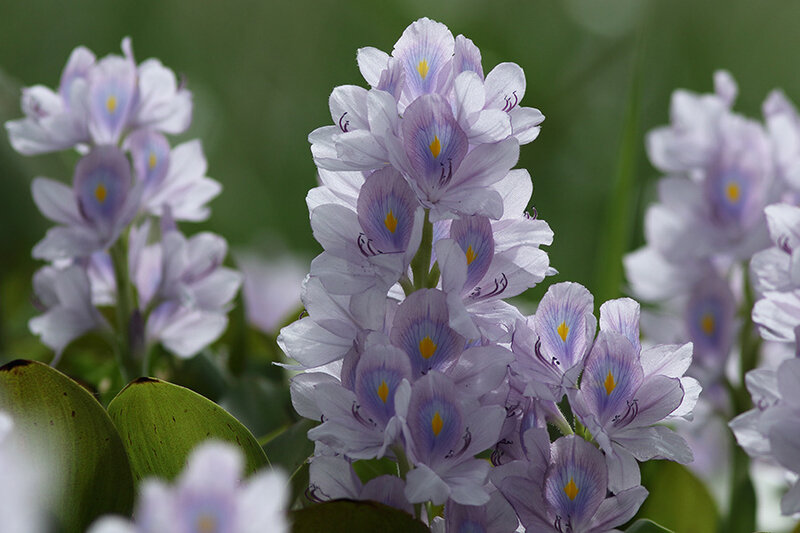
(117, 232)
(116, 225)
(409, 351)
(732, 191)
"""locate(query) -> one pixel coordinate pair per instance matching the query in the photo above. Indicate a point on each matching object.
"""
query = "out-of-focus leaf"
(201, 374)
(160, 423)
(678, 500)
(261, 405)
(290, 449)
(346, 516)
(647, 526)
(71, 435)
(371, 468)
(742, 515)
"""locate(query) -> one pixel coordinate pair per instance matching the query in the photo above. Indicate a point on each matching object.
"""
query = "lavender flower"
(209, 495)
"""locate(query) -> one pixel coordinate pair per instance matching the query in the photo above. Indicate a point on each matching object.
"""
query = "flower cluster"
(409, 351)
(209, 495)
(115, 225)
(732, 186)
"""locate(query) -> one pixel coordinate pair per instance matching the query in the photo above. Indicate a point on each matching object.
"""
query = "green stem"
(125, 305)
(421, 264)
(408, 287)
(404, 467)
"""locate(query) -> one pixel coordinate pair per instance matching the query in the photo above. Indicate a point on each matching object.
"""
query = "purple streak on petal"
(435, 420)
(474, 236)
(80, 62)
(425, 49)
(564, 323)
(611, 378)
(621, 316)
(576, 481)
(434, 143)
(102, 183)
(392, 79)
(112, 86)
(379, 372)
(150, 153)
(386, 207)
(710, 320)
(466, 57)
(420, 327)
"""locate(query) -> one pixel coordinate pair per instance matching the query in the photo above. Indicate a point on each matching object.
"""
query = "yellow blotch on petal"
(571, 489)
(435, 146)
(207, 524)
(152, 160)
(733, 192)
(707, 323)
(100, 193)
(471, 255)
(390, 222)
(609, 383)
(436, 424)
(111, 103)
(422, 68)
(427, 348)
(563, 331)
(383, 391)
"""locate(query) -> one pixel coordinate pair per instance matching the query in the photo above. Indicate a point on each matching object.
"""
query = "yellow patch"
(100, 193)
(152, 160)
(390, 222)
(427, 348)
(609, 383)
(733, 192)
(206, 524)
(563, 331)
(422, 68)
(436, 424)
(571, 490)
(471, 255)
(111, 103)
(383, 391)
(707, 323)
(435, 146)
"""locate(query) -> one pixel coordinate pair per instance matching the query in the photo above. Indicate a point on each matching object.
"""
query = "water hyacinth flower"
(184, 283)
(770, 429)
(271, 289)
(444, 429)
(65, 297)
(98, 102)
(551, 345)
(94, 212)
(210, 495)
(563, 487)
(625, 390)
(332, 478)
(172, 179)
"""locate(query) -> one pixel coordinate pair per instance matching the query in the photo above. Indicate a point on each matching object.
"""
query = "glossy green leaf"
(160, 423)
(678, 500)
(346, 516)
(63, 425)
(647, 526)
(290, 451)
(367, 469)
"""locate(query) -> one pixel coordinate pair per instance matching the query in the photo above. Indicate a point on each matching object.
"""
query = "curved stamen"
(557, 523)
(500, 285)
(366, 246)
(529, 215)
(467, 440)
(346, 124)
(366, 422)
(312, 493)
(783, 244)
(445, 178)
(628, 416)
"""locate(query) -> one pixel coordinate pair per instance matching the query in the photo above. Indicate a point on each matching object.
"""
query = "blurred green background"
(261, 73)
(601, 71)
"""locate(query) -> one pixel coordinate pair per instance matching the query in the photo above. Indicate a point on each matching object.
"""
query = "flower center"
(383, 391)
(111, 103)
(707, 324)
(435, 146)
(609, 383)
(571, 489)
(427, 348)
(563, 331)
(100, 193)
(422, 68)
(436, 424)
(390, 222)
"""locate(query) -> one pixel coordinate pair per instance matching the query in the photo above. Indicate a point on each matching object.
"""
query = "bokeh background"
(261, 71)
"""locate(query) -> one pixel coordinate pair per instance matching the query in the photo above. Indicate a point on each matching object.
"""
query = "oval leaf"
(678, 500)
(65, 426)
(347, 516)
(160, 423)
